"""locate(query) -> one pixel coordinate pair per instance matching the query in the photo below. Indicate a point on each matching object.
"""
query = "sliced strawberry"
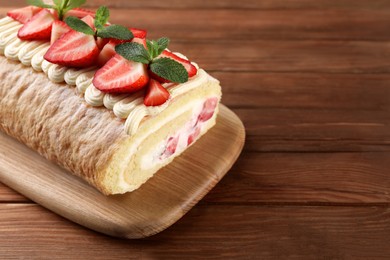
(191, 69)
(156, 94)
(194, 134)
(140, 41)
(59, 29)
(89, 20)
(208, 109)
(139, 36)
(137, 40)
(73, 49)
(121, 76)
(38, 27)
(79, 13)
(138, 33)
(101, 42)
(23, 15)
(106, 53)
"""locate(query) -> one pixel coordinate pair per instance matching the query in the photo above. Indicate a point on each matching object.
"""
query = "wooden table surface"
(310, 80)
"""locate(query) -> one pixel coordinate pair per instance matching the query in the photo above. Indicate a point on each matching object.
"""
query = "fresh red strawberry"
(156, 94)
(73, 49)
(139, 36)
(138, 33)
(54, 13)
(135, 39)
(79, 13)
(140, 41)
(59, 29)
(192, 137)
(23, 15)
(106, 53)
(191, 69)
(90, 21)
(108, 50)
(38, 27)
(121, 76)
(101, 42)
(208, 109)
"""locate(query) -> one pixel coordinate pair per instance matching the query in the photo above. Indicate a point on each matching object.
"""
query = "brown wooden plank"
(255, 24)
(212, 232)
(296, 178)
(305, 91)
(289, 56)
(9, 195)
(282, 130)
(243, 4)
(309, 178)
(211, 25)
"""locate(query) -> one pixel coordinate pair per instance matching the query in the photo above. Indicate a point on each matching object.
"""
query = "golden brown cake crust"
(53, 120)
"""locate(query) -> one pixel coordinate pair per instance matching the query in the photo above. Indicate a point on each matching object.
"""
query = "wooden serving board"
(159, 203)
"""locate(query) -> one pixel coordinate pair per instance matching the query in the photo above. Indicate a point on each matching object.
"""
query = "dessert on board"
(99, 99)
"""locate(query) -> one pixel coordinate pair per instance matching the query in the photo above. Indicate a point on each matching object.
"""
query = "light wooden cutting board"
(159, 203)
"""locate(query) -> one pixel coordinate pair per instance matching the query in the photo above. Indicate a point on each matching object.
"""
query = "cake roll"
(114, 140)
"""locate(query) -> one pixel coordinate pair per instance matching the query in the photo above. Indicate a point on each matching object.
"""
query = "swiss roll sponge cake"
(98, 99)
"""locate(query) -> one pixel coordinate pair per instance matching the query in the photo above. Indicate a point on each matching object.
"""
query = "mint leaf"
(133, 51)
(73, 4)
(115, 31)
(162, 44)
(102, 15)
(39, 3)
(170, 70)
(152, 48)
(149, 45)
(79, 25)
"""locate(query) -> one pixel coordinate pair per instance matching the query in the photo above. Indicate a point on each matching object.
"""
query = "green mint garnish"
(39, 3)
(170, 70)
(166, 68)
(115, 31)
(79, 25)
(133, 51)
(102, 14)
(61, 6)
(70, 4)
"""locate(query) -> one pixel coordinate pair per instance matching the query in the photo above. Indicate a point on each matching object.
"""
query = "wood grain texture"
(230, 4)
(332, 24)
(296, 178)
(306, 179)
(7, 195)
(282, 130)
(310, 81)
(155, 206)
(306, 91)
(208, 232)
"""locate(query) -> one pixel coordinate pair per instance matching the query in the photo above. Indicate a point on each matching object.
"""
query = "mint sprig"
(79, 25)
(166, 68)
(169, 69)
(133, 51)
(102, 15)
(61, 6)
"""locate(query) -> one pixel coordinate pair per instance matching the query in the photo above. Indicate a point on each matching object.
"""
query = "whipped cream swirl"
(126, 106)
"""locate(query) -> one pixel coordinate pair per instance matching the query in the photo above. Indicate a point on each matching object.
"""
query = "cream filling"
(129, 106)
(122, 183)
(157, 156)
